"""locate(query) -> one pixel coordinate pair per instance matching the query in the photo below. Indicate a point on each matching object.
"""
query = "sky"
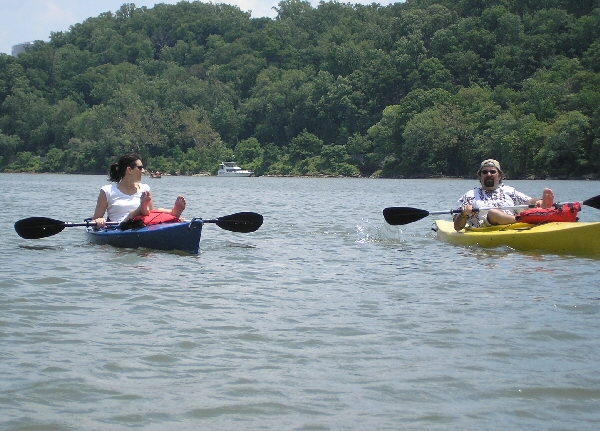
(30, 20)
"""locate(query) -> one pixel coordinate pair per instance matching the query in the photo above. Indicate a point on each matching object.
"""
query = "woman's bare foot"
(145, 201)
(178, 207)
(547, 198)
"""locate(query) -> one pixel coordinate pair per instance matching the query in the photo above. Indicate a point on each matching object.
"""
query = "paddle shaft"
(405, 215)
(458, 211)
(42, 227)
(588, 202)
(89, 224)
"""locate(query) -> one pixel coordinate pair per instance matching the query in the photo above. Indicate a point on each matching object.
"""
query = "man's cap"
(491, 163)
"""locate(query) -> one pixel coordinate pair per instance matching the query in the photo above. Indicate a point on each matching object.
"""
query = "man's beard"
(489, 181)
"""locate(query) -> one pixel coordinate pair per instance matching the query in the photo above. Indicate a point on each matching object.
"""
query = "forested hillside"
(415, 89)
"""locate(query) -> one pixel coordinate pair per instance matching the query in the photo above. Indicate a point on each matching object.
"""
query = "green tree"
(437, 142)
(25, 161)
(566, 151)
(9, 145)
(226, 122)
(55, 161)
(304, 146)
(28, 116)
(249, 153)
(205, 149)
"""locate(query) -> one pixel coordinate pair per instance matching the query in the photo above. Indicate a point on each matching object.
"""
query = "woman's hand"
(100, 223)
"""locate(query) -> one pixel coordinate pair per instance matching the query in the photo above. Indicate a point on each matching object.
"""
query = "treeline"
(415, 89)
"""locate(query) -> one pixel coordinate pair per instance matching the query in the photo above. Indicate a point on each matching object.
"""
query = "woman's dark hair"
(118, 169)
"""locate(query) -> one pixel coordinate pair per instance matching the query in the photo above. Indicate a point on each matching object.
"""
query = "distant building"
(22, 47)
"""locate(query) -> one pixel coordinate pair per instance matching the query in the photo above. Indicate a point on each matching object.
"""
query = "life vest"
(556, 213)
(155, 217)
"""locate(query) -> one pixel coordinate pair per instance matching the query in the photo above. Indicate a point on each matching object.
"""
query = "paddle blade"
(403, 215)
(38, 227)
(593, 202)
(243, 222)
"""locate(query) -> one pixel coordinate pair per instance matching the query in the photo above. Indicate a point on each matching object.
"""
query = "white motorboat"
(230, 169)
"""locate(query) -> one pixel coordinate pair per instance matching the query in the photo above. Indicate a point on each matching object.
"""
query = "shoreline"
(324, 176)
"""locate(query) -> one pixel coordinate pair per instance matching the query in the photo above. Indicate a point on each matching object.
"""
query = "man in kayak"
(493, 193)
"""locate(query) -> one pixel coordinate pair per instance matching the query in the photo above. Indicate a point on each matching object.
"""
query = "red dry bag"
(561, 213)
(156, 217)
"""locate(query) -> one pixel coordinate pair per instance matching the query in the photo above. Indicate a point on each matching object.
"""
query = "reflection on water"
(38, 247)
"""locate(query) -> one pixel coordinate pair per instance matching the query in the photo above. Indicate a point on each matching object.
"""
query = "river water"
(326, 318)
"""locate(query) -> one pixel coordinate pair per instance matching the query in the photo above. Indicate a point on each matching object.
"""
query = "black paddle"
(406, 215)
(42, 227)
(243, 222)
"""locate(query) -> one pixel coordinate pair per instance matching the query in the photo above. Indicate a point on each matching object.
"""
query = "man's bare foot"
(547, 198)
(179, 206)
(145, 201)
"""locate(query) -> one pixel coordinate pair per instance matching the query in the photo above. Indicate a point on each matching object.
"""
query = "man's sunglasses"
(491, 171)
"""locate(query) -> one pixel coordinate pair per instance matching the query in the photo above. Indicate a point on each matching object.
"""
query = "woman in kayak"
(127, 197)
(493, 193)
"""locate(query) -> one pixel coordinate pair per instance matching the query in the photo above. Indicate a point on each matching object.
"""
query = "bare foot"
(548, 198)
(179, 206)
(145, 201)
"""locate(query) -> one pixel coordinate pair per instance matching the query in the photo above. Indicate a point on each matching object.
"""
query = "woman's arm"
(151, 203)
(146, 205)
(101, 207)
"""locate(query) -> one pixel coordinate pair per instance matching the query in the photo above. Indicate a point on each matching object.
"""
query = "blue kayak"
(182, 236)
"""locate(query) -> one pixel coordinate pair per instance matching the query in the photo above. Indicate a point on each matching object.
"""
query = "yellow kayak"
(564, 237)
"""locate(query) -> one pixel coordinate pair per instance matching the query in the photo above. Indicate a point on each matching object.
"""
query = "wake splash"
(367, 232)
